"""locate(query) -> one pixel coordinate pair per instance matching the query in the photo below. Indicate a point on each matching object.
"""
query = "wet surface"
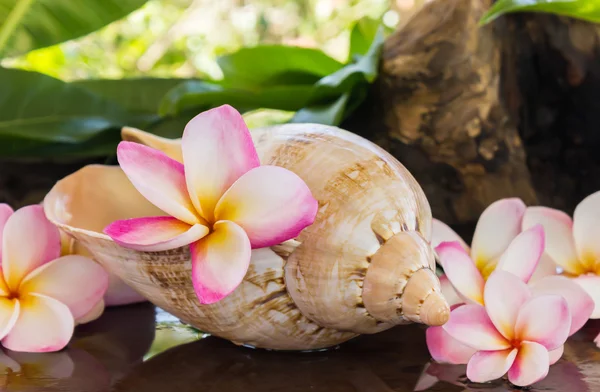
(137, 348)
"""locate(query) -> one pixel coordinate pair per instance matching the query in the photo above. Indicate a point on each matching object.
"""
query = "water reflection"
(133, 349)
(100, 353)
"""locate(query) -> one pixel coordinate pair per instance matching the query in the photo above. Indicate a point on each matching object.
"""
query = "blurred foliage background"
(183, 38)
(74, 73)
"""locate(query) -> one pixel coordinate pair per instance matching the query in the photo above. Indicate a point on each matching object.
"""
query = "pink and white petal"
(29, 241)
(486, 366)
(44, 325)
(591, 285)
(586, 230)
(461, 271)
(270, 203)
(441, 232)
(217, 150)
(546, 267)
(544, 319)
(76, 281)
(581, 305)
(5, 213)
(119, 293)
(154, 234)
(448, 292)
(498, 225)
(504, 295)
(93, 314)
(445, 349)
(220, 262)
(531, 364)
(160, 179)
(9, 312)
(523, 254)
(470, 325)
(558, 228)
(556, 354)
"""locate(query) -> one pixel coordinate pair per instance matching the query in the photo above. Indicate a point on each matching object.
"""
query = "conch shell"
(364, 266)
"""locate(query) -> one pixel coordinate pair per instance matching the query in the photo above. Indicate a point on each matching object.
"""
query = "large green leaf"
(32, 24)
(580, 9)
(331, 113)
(275, 65)
(362, 35)
(139, 95)
(204, 95)
(38, 110)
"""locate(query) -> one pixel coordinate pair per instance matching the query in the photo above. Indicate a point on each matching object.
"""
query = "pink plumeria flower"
(515, 332)
(496, 228)
(574, 244)
(521, 259)
(42, 295)
(221, 202)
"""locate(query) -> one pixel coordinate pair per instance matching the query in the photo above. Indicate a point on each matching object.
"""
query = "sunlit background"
(183, 38)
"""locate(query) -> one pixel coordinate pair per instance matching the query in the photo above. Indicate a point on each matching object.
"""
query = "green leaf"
(580, 9)
(38, 110)
(139, 95)
(329, 114)
(362, 35)
(32, 24)
(204, 95)
(275, 65)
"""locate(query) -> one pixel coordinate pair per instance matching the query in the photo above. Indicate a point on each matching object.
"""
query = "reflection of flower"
(19, 369)
(520, 259)
(42, 296)
(574, 244)
(221, 202)
(515, 332)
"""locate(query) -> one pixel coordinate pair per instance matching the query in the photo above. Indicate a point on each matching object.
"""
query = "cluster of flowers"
(219, 201)
(528, 282)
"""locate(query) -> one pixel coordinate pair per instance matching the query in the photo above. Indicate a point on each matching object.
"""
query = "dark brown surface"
(127, 351)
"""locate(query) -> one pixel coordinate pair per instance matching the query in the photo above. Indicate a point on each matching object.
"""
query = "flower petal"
(154, 233)
(504, 295)
(44, 325)
(220, 261)
(160, 179)
(558, 227)
(556, 354)
(498, 225)
(29, 241)
(531, 364)
(217, 150)
(586, 231)
(270, 203)
(545, 267)
(486, 366)
(445, 349)
(76, 281)
(9, 311)
(461, 271)
(93, 314)
(523, 254)
(591, 285)
(470, 325)
(441, 232)
(119, 293)
(448, 291)
(545, 320)
(581, 305)
(5, 213)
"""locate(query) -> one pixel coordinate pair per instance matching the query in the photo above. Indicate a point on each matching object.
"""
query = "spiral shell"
(364, 266)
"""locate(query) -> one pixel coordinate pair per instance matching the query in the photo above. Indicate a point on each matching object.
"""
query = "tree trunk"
(483, 113)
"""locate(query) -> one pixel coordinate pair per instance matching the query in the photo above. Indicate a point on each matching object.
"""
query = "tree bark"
(551, 81)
